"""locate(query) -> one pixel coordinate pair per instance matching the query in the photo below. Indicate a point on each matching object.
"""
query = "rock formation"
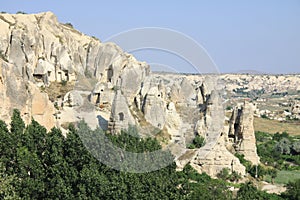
(296, 110)
(241, 130)
(16, 93)
(213, 156)
(120, 117)
(40, 50)
(113, 90)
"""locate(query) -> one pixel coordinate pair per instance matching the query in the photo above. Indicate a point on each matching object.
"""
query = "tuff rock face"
(37, 50)
(242, 131)
(17, 93)
(112, 90)
(296, 110)
(213, 156)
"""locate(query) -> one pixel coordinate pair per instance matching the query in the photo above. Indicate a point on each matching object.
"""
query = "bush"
(223, 174)
(293, 190)
(198, 142)
(116, 88)
(262, 136)
(283, 147)
(2, 55)
(95, 38)
(277, 136)
(235, 176)
(228, 107)
(21, 12)
(244, 162)
(296, 148)
(191, 146)
(264, 116)
(64, 82)
(248, 191)
(68, 24)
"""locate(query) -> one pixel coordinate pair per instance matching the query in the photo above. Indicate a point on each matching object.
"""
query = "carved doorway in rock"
(110, 74)
(121, 116)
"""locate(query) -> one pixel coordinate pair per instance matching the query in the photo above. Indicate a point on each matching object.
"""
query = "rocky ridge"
(113, 90)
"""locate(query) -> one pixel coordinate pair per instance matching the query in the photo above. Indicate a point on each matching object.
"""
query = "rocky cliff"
(57, 75)
(241, 131)
(38, 50)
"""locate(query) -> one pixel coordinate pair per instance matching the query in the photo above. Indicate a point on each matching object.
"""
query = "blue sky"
(238, 34)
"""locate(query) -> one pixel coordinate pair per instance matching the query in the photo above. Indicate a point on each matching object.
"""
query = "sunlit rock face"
(57, 75)
(37, 50)
(242, 132)
(296, 110)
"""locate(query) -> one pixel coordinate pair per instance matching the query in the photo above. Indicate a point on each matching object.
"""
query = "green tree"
(31, 173)
(7, 147)
(224, 174)
(283, 147)
(34, 138)
(272, 173)
(293, 190)
(198, 142)
(248, 192)
(45, 165)
(296, 147)
(17, 126)
(7, 189)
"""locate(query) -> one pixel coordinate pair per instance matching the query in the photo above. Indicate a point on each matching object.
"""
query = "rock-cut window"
(110, 74)
(121, 116)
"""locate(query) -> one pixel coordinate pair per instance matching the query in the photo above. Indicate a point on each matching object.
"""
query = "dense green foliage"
(227, 176)
(280, 151)
(293, 190)
(256, 171)
(40, 165)
(198, 142)
(249, 192)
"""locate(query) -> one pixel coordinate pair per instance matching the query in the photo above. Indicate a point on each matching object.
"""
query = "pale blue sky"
(261, 35)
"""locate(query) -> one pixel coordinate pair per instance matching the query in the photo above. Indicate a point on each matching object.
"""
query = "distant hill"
(255, 72)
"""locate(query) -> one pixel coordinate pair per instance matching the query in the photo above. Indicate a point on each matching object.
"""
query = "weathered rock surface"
(113, 90)
(41, 50)
(295, 110)
(213, 156)
(242, 131)
(16, 93)
(121, 116)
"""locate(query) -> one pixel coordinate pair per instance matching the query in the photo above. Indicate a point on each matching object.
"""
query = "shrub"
(68, 24)
(115, 88)
(283, 147)
(223, 174)
(21, 12)
(95, 38)
(88, 74)
(244, 162)
(264, 116)
(198, 142)
(2, 55)
(228, 107)
(293, 190)
(64, 82)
